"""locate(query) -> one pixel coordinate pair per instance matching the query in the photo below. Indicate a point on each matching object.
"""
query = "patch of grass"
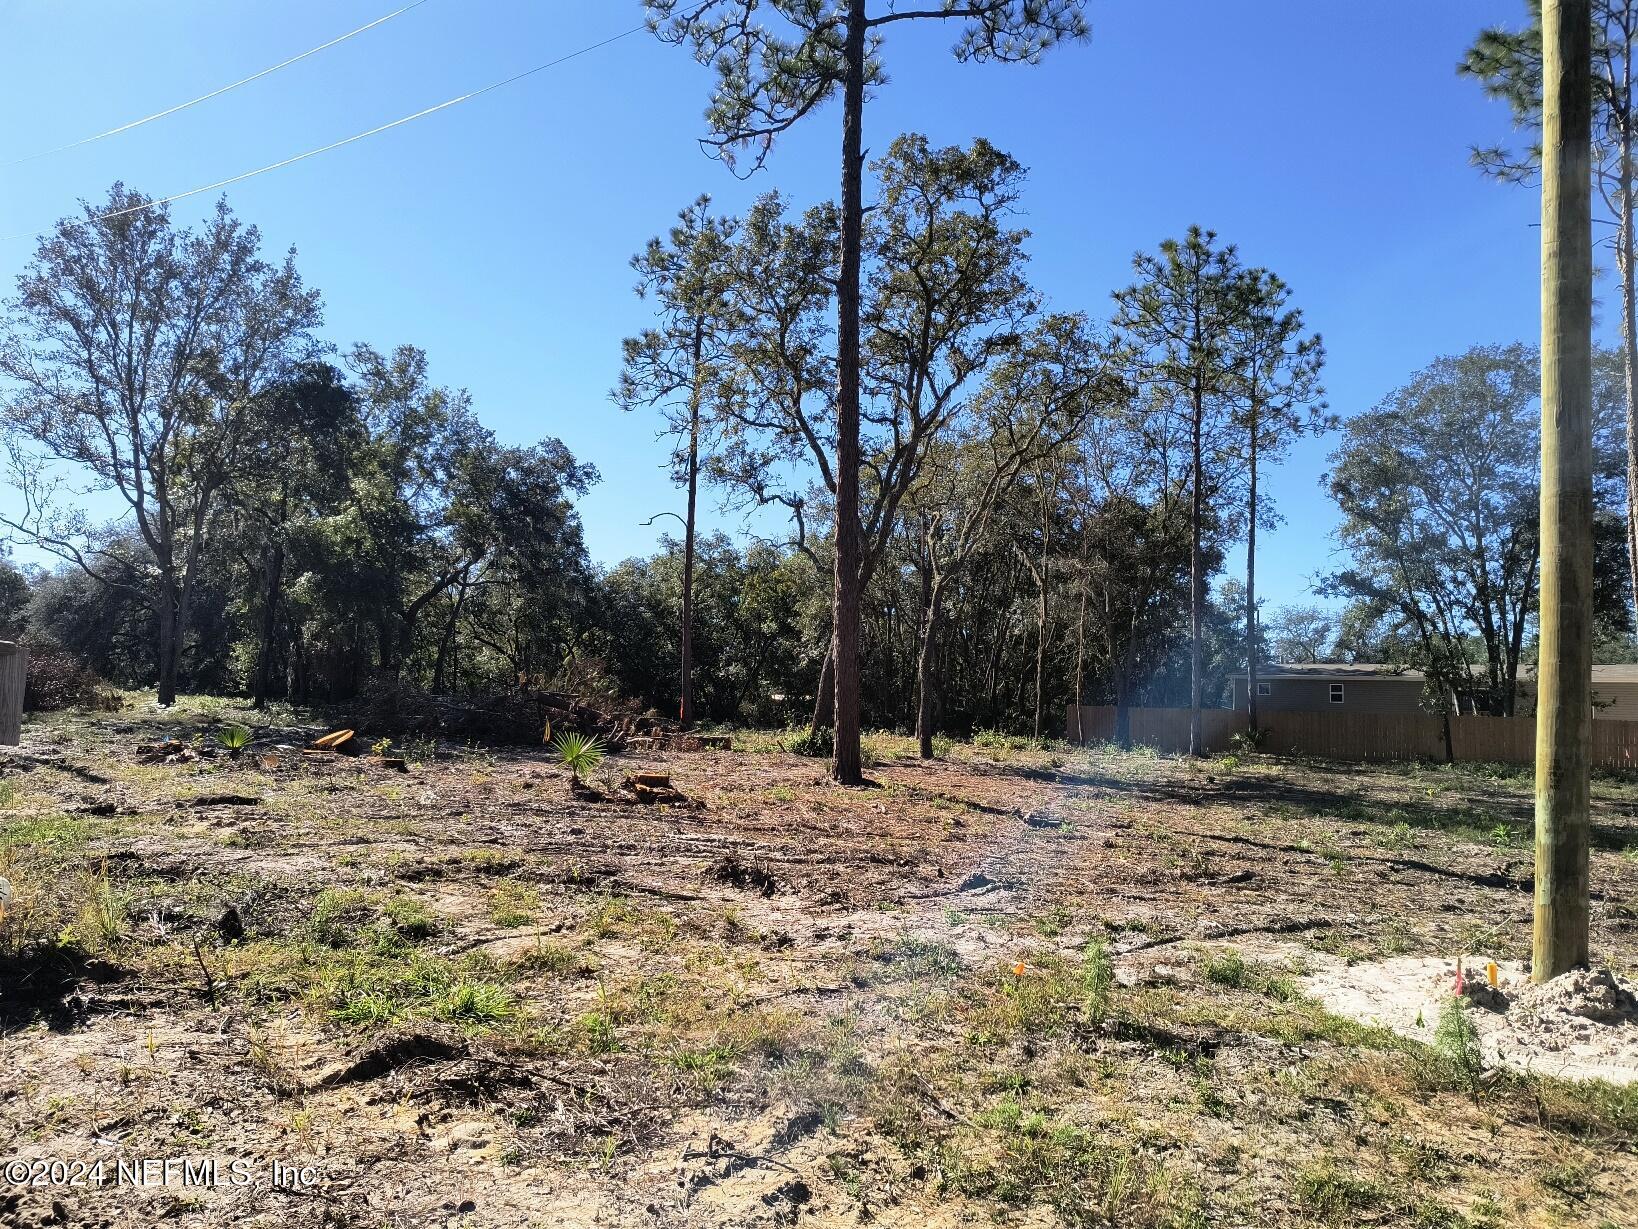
(1395, 838)
(1035, 1002)
(1000, 740)
(410, 917)
(1590, 1108)
(1337, 1196)
(487, 861)
(104, 916)
(614, 917)
(61, 831)
(708, 1066)
(910, 956)
(1568, 1178)
(1054, 921)
(475, 1002)
(1232, 970)
(1018, 1156)
(338, 915)
(551, 958)
(1431, 1214)
(1460, 822)
(364, 986)
(815, 744)
(513, 904)
(595, 1032)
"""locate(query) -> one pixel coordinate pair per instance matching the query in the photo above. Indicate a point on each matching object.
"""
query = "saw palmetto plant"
(235, 738)
(579, 753)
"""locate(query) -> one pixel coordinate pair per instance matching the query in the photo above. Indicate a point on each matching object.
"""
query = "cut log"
(660, 780)
(333, 742)
(171, 751)
(661, 795)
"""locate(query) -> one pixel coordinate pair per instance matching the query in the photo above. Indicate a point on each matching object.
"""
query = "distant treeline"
(1050, 504)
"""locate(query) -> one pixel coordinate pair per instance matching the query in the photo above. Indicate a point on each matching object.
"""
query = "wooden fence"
(1352, 736)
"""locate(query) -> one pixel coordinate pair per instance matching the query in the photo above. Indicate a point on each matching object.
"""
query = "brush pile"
(518, 718)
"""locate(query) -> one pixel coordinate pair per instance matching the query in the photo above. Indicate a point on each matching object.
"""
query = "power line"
(359, 136)
(194, 102)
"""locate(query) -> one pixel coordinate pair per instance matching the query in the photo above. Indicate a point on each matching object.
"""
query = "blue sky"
(1329, 141)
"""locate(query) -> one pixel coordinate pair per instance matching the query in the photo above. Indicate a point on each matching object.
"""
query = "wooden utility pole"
(1564, 706)
(13, 682)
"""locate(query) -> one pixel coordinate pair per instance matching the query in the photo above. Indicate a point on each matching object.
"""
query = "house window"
(1265, 689)
(1336, 693)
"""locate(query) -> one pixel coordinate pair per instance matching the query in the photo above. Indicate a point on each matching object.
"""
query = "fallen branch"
(210, 982)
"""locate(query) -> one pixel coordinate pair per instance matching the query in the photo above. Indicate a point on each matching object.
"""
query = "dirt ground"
(1016, 985)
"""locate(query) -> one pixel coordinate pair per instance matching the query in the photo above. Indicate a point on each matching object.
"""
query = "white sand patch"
(1581, 1026)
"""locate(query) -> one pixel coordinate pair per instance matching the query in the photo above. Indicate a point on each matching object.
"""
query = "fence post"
(13, 676)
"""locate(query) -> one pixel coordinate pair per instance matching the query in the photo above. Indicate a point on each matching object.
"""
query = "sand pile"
(1595, 995)
(1583, 1025)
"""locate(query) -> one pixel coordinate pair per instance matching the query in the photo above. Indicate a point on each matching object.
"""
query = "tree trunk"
(685, 708)
(924, 669)
(824, 696)
(447, 641)
(168, 649)
(1042, 581)
(1197, 569)
(1251, 585)
(190, 576)
(1564, 704)
(846, 767)
(1629, 353)
(1123, 698)
(272, 592)
(1080, 657)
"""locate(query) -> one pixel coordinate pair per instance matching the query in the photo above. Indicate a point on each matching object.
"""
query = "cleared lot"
(1033, 985)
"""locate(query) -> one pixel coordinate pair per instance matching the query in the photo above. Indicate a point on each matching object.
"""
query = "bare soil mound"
(1583, 1025)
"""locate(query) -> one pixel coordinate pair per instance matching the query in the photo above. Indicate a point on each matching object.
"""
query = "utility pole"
(1564, 705)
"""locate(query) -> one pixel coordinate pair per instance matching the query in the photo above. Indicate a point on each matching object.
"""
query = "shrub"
(1249, 739)
(1000, 740)
(1097, 981)
(818, 744)
(1456, 1042)
(59, 679)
